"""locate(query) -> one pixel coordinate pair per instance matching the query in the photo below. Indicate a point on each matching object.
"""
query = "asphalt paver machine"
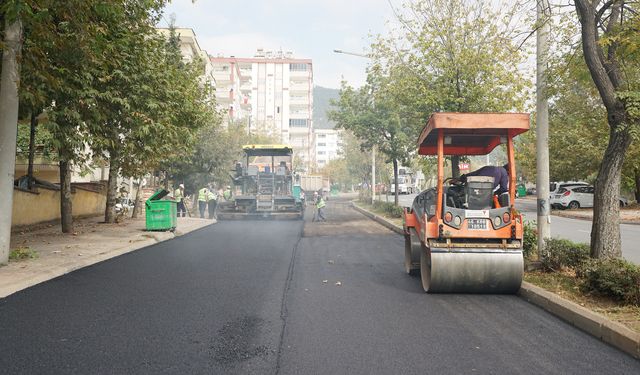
(459, 237)
(264, 186)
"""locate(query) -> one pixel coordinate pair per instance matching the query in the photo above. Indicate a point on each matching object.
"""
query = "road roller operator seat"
(478, 193)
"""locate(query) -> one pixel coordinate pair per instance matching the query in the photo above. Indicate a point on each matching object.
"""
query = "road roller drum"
(471, 271)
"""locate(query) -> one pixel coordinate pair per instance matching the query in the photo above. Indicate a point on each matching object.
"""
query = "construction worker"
(212, 202)
(202, 201)
(178, 195)
(227, 194)
(320, 204)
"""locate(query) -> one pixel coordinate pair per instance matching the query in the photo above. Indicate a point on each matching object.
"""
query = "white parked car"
(573, 197)
(555, 187)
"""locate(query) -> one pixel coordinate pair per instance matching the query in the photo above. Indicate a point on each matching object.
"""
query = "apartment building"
(328, 145)
(272, 93)
(190, 50)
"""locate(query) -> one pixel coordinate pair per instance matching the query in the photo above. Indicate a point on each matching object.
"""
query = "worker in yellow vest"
(227, 194)
(178, 195)
(202, 200)
(320, 204)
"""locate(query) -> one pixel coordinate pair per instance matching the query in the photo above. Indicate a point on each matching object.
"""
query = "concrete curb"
(379, 219)
(152, 238)
(597, 325)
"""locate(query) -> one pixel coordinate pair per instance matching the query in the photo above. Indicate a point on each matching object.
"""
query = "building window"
(321, 144)
(322, 136)
(298, 67)
(298, 122)
(321, 152)
(321, 161)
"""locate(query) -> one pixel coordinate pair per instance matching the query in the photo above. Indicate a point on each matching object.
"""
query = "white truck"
(406, 182)
(310, 183)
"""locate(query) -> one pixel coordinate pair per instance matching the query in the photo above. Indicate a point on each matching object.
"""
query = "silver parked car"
(573, 197)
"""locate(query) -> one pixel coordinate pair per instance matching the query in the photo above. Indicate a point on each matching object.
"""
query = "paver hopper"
(460, 237)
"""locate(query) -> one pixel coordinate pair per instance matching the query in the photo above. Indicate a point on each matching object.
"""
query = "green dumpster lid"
(158, 195)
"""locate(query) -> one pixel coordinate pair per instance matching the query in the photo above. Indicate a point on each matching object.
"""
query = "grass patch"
(566, 285)
(389, 211)
(22, 253)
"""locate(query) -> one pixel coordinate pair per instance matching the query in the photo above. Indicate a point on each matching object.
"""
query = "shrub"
(21, 253)
(529, 240)
(560, 253)
(388, 208)
(616, 278)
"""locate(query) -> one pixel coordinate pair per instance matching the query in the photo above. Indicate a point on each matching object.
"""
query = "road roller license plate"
(477, 224)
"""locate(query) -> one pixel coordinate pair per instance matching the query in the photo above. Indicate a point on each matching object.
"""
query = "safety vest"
(227, 194)
(178, 195)
(212, 196)
(202, 195)
(321, 203)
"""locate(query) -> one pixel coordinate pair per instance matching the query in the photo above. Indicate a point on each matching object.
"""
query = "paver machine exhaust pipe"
(459, 236)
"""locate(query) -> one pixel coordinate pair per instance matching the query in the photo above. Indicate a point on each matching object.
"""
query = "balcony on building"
(302, 100)
(299, 70)
(299, 86)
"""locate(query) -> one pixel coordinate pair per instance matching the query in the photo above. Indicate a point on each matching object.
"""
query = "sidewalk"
(630, 215)
(92, 242)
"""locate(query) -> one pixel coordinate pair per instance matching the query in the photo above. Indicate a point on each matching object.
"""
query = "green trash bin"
(161, 214)
(521, 190)
(334, 190)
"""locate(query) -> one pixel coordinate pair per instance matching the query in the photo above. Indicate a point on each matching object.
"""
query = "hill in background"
(321, 97)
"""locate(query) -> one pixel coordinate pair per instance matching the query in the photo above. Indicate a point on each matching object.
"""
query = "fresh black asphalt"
(260, 297)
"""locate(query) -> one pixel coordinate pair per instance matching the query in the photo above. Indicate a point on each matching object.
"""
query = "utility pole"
(542, 124)
(373, 149)
(373, 174)
(8, 129)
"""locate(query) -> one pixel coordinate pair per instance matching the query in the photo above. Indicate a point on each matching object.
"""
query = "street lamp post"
(373, 149)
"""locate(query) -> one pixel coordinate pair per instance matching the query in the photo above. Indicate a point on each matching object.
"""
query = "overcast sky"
(309, 28)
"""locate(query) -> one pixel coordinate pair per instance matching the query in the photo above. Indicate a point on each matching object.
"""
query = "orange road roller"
(460, 236)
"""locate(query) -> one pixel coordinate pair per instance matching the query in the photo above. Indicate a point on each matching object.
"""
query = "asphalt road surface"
(572, 229)
(282, 297)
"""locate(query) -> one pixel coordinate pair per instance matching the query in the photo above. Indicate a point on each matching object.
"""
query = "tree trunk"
(166, 180)
(636, 179)
(112, 188)
(66, 206)
(136, 202)
(455, 166)
(32, 149)
(605, 230)
(395, 181)
(12, 38)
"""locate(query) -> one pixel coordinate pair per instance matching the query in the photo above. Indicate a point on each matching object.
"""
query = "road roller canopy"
(470, 133)
(267, 150)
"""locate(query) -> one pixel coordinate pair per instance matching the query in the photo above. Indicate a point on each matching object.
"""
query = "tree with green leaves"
(373, 118)
(458, 56)
(611, 48)
(149, 101)
(453, 56)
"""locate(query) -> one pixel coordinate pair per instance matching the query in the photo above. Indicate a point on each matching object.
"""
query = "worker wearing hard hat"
(178, 195)
(202, 201)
